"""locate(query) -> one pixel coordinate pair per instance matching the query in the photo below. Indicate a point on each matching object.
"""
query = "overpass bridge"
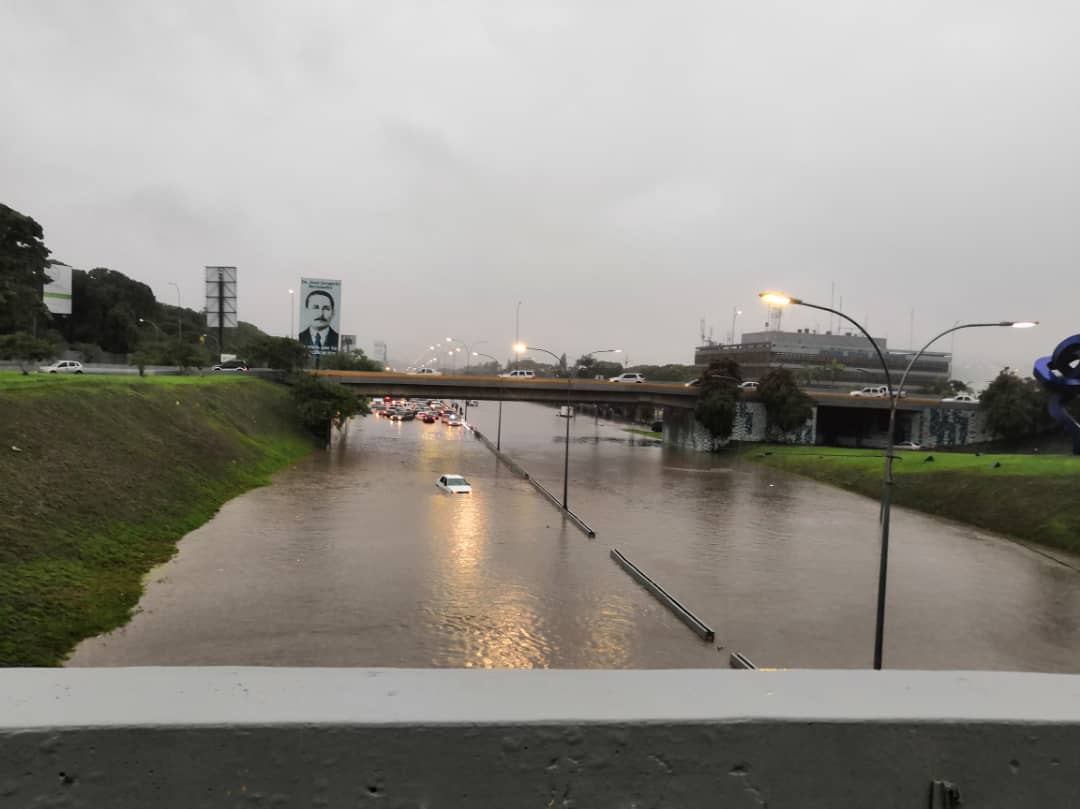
(578, 391)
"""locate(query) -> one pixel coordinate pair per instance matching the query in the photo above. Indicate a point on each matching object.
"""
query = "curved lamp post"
(780, 299)
(521, 348)
(152, 323)
(596, 411)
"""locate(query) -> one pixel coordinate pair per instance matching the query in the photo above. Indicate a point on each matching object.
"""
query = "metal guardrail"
(664, 597)
(740, 661)
(520, 470)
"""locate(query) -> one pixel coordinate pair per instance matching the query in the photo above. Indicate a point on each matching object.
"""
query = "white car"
(62, 367)
(454, 484)
(748, 385)
(427, 372)
(520, 373)
(627, 378)
(871, 392)
(963, 397)
(907, 445)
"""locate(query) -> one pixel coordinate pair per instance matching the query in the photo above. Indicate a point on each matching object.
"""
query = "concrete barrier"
(191, 737)
(518, 469)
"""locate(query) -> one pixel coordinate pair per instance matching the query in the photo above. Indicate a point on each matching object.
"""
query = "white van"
(521, 373)
(871, 392)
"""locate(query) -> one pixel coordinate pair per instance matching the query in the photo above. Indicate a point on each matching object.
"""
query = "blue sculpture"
(1059, 374)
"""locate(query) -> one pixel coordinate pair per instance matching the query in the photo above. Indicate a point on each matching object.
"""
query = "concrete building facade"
(837, 360)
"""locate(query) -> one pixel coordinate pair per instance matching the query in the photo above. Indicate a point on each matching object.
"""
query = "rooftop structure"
(827, 359)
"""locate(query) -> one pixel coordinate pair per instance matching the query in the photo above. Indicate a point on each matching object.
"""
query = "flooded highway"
(354, 558)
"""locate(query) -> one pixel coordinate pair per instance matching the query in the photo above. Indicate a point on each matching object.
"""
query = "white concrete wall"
(190, 737)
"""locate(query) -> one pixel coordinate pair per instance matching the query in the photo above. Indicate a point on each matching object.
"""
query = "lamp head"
(1025, 324)
(777, 299)
(520, 348)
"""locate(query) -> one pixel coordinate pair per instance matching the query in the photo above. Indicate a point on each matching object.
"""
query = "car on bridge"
(907, 445)
(871, 392)
(520, 373)
(425, 372)
(969, 398)
(629, 377)
(235, 366)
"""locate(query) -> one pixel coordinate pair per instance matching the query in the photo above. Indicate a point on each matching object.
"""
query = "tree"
(280, 353)
(942, 388)
(1014, 407)
(321, 404)
(24, 262)
(787, 407)
(25, 348)
(588, 367)
(719, 402)
(107, 310)
(355, 360)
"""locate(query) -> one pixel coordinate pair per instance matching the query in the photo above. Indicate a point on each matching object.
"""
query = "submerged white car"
(454, 484)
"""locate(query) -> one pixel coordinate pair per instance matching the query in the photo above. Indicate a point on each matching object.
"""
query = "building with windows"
(827, 360)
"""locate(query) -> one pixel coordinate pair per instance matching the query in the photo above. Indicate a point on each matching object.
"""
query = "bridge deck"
(591, 391)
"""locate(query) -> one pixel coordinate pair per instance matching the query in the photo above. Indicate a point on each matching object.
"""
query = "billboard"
(320, 314)
(57, 293)
(221, 297)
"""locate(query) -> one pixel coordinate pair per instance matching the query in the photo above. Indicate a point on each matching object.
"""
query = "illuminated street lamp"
(521, 348)
(780, 299)
(152, 323)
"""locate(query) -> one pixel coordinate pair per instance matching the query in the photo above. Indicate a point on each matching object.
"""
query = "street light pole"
(521, 348)
(292, 313)
(596, 410)
(777, 299)
(517, 324)
(152, 323)
(179, 314)
(498, 433)
(735, 312)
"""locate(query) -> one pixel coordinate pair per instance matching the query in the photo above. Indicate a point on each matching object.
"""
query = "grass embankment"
(646, 433)
(1028, 496)
(100, 478)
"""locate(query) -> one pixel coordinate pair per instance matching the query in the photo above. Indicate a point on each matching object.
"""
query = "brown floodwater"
(354, 558)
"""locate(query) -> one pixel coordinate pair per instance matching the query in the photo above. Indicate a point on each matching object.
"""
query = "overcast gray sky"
(623, 168)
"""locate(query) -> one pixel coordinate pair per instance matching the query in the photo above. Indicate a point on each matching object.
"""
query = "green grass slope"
(1031, 497)
(99, 478)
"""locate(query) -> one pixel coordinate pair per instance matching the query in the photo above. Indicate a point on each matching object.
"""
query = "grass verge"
(647, 433)
(1031, 497)
(102, 476)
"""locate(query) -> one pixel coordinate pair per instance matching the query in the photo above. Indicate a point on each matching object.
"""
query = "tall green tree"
(24, 263)
(719, 402)
(321, 404)
(1014, 407)
(787, 407)
(106, 310)
(280, 353)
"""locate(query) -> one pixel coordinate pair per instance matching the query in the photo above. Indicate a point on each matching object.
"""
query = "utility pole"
(221, 312)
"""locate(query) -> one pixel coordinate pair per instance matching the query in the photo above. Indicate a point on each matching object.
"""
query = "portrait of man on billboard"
(318, 312)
